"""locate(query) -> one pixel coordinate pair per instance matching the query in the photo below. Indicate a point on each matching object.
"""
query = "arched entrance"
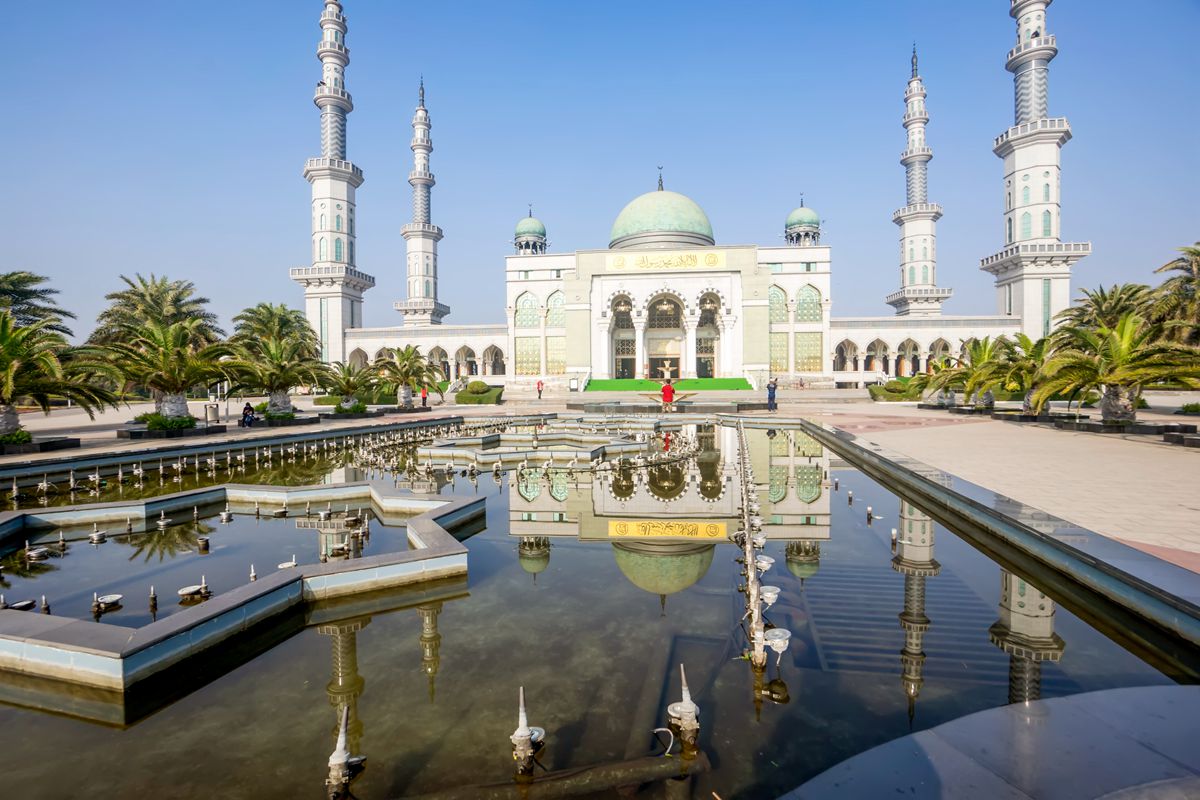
(908, 359)
(493, 361)
(437, 356)
(465, 363)
(664, 338)
(939, 351)
(357, 358)
(877, 357)
(845, 357)
(622, 338)
(708, 336)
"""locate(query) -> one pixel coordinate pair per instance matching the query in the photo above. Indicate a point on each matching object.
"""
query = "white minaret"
(918, 295)
(333, 288)
(914, 560)
(1033, 271)
(422, 306)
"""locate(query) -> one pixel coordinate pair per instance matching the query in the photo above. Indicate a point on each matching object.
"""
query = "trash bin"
(212, 413)
(574, 386)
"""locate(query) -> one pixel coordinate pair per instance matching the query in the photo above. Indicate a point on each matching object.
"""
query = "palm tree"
(155, 301)
(1018, 365)
(269, 321)
(1106, 306)
(971, 373)
(406, 371)
(1118, 362)
(276, 366)
(165, 359)
(23, 296)
(37, 365)
(1177, 299)
(348, 381)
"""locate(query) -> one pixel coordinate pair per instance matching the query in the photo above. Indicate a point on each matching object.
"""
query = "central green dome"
(675, 216)
(663, 568)
(530, 226)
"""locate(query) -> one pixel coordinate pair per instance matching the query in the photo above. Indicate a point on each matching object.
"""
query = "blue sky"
(169, 136)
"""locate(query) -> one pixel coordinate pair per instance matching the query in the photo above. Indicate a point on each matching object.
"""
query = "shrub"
(895, 386)
(1190, 408)
(468, 398)
(478, 387)
(261, 408)
(885, 394)
(17, 437)
(357, 407)
(288, 415)
(1093, 399)
(157, 422)
(143, 418)
(327, 400)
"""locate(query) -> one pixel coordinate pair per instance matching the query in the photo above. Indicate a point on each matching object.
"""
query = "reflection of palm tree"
(16, 564)
(168, 542)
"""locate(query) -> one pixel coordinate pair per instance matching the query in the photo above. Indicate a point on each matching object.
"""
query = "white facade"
(665, 300)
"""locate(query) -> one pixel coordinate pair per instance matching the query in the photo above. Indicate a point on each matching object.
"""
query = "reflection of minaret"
(345, 685)
(534, 554)
(914, 559)
(1025, 631)
(431, 642)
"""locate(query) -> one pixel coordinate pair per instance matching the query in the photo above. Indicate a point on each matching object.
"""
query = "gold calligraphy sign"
(671, 259)
(665, 529)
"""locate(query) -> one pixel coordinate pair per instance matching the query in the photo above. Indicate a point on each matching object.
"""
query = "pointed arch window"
(1046, 192)
(776, 305)
(1047, 224)
(337, 249)
(1026, 225)
(351, 252)
(321, 249)
(924, 273)
(1024, 195)
(1010, 232)
(527, 311)
(556, 313)
(808, 305)
(428, 289)
(337, 222)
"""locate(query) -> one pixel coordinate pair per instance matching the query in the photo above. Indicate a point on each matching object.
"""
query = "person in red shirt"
(668, 395)
(424, 396)
(540, 386)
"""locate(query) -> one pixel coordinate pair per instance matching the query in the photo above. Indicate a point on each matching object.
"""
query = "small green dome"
(534, 563)
(530, 226)
(662, 211)
(663, 569)
(803, 216)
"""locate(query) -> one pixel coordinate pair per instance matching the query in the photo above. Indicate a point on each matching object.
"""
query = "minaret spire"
(1033, 269)
(333, 287)
(918, 294)
(422, 306)
(660, 183)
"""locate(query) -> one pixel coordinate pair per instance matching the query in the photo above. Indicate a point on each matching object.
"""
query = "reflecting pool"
(589, 592)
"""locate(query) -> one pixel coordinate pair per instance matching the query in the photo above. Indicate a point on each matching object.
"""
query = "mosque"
(664, 299)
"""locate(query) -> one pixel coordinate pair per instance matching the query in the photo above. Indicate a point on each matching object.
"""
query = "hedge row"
(489, 398)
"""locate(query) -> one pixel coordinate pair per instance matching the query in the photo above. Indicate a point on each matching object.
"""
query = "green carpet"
(685, 385)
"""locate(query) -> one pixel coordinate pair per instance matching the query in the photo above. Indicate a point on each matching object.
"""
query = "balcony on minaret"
(1021, 253)
(327, 93)
(1055, 129)
(333, 14)
(420, 176)
(328, 47)
(335, 168)
(910, 116)
(414, 228)
(920, 153)
(1043, 46)
(332, 275)
(932, 211)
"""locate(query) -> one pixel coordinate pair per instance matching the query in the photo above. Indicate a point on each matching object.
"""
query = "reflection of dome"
(661, 219)
(530, 226)
(803, 216)
(667, 482)
(663, 568)
(534, 554)
(623, 483)
(803, 559)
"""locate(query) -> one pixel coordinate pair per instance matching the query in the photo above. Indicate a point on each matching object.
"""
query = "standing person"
(668, 395)
(771, 387)
(540, 386)
(424, 396)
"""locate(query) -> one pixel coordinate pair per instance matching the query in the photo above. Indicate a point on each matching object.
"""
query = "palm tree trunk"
(347, 400)
(1027, 402)
(174, 404)
(406, 396)
(986, 400)
(10, 422)
(1116, 405)
(279, 403)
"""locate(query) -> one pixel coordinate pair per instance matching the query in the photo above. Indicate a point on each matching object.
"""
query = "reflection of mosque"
(1025, 631)
(699, 499)
(914, 560)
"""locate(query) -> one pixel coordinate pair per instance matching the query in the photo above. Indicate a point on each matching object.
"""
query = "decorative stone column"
(639, 332)
(687, 366)
(542, 342)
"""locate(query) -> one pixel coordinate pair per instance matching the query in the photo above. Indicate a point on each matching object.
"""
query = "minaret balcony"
(332, 15)
(421, 176)
(329, 94)
(916, 154)
(345, 170)
(332, 275)
(911, 116)
(916, 211)
(1061, 253)
(328, 47)
(1055, 129)
(1041, 46)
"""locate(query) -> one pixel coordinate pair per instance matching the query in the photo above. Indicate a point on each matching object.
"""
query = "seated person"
(247, 420)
